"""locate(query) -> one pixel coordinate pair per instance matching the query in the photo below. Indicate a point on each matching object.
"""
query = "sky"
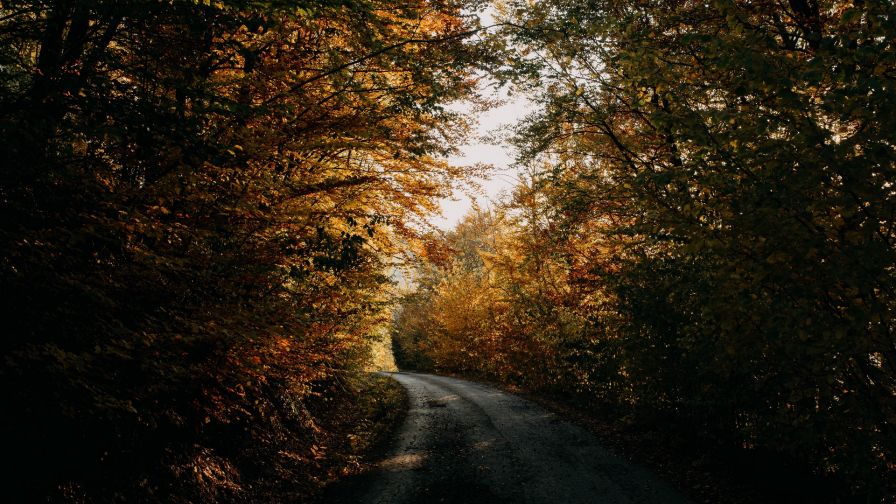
(502, 178)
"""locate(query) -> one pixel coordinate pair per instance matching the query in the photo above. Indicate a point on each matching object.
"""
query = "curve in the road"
(464, 442)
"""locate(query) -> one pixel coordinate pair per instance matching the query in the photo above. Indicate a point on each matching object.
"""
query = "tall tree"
(746, 150)
(199, 204)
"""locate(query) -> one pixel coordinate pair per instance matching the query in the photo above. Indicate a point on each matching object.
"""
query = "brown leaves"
(204, 229)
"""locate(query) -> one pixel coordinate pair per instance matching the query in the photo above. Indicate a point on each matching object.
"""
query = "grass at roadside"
(380, 405)
(367, 417)
(352, 419)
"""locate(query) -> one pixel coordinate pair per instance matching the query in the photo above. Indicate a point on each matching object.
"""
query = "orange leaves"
(235, 183)
(493, 300)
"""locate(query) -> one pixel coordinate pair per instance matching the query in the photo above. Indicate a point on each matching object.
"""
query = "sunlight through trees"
(707, 236)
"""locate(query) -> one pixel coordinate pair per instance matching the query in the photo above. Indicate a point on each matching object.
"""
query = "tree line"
(705, 235)
(200, 202)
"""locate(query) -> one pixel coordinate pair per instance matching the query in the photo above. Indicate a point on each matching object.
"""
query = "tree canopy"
(203, 203)
(200, 205)
(707, 235)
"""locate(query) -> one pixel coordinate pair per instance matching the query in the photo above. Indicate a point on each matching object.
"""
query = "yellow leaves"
(317, 452)
(218, 4)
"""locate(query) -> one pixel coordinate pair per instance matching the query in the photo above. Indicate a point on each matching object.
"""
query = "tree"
(721, 173)
(199, 203)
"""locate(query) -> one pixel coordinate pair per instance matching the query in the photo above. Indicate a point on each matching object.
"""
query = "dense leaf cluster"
(709, 235)
(199, 201)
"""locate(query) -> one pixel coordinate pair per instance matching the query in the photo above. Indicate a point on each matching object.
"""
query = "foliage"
(200, 201)
(708, 236)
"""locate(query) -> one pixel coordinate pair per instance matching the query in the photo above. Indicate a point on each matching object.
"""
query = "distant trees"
(709, 233)
(199, 202)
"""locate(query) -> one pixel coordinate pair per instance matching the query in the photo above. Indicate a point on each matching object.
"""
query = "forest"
(204, 204)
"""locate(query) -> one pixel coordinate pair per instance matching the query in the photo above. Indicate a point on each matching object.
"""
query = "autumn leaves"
(706, 233)
(200, 204)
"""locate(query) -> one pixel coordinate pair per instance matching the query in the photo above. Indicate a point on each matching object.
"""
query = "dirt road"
(463, 442)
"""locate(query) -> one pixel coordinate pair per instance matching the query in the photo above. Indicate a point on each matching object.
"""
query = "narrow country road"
(463, 442)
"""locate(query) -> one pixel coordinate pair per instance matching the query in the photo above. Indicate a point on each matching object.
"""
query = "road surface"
(463, 442)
